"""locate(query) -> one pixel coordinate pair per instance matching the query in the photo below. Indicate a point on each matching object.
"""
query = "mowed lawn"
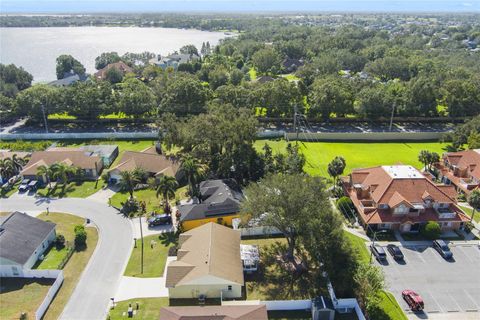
(148, 308)
(22, 295)
(357, 155)
(154, 259)
(73, 189)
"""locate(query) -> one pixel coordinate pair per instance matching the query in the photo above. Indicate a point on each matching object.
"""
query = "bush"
(80, 237)
(345, 205)
(130, 207)
(172, 251)
(60, 241)
(431, 230)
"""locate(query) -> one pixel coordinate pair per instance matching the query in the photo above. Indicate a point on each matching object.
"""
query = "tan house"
(401, 197)
(120, 66)
(208, 264)
(91, 164)
(462, 169)
(239, 312)
(153, 163)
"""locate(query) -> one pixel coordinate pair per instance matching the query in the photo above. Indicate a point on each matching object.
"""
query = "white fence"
(365, 136)
(278, 305)
(79, 135)
(50, 295)
(259, 231)
(36, 273)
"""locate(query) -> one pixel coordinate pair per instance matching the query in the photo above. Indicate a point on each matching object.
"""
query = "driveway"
(450, 289)
(101, 277)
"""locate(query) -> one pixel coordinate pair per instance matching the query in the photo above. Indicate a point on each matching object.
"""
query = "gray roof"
(218, 197)
(68, 80)
(21, 235)
(102, 150)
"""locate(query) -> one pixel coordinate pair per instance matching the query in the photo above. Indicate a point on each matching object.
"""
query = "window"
(383, 206)
(229, 288)
(15, 271)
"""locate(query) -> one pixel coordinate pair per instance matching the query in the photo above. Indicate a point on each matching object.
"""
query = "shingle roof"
(210, 249)
(21, 235)
(219, 197)
(76, 158)
(9, 154)
(149, 160)
(468, 159)
(243, 312)
(121, 66)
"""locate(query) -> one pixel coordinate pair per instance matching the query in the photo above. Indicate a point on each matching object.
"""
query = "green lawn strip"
(149, 308)
(290, 77)
(153, 259)
(359, 245)
(469, 212)
(253, 73)
(357, 155)
(19, 295)
(74, 189)
(11, 191)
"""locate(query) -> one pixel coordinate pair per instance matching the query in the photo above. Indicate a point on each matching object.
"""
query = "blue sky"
(73, 6)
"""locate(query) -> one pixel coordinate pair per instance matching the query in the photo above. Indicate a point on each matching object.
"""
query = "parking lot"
(451, 287)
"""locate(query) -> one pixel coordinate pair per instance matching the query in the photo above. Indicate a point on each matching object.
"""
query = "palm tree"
(61, 171)
(45, 171)
(18, 163)
(7, 168)
(128, 182)
(474, 201)
(193, 171)
(167, 187)
(140, 174)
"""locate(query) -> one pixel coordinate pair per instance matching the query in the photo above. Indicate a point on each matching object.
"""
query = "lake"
(35, 49)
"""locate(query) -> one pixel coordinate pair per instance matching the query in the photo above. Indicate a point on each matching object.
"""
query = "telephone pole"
(295, 124)
(44, 118)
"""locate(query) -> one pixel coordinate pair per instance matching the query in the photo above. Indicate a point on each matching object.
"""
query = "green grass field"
(357, 155)
(73, 189)
(153, 259)
(469, 212)
(149, 308)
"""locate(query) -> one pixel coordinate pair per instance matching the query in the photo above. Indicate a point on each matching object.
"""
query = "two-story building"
(401, 197)
(462, 169)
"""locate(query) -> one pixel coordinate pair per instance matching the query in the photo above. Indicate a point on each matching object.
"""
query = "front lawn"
(469, 212)
(149, 308)
(19, 295)
(154, 259)
(150, 198)
(356, 154)
(360, 246)
(73, 269)
(75, 189)
(11, 191)
(65, 225)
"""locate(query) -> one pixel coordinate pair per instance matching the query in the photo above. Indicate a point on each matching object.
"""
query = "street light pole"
(373, 243)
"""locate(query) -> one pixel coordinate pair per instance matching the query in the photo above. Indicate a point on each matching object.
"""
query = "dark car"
(442, 248)
(413, 299)
(159, 219)
(378, 252)
(395, 252)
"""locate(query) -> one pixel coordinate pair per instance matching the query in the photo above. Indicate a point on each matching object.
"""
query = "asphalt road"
(447, 287)
(101, 278)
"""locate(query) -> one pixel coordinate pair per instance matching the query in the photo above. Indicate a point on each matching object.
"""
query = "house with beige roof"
(91, 164)
(400, 197)
(208, 264)
(238, 312)
(154, 163)
(462, 169)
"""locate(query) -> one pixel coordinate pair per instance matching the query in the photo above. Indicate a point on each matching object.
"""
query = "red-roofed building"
(462, 169)
(401, 197)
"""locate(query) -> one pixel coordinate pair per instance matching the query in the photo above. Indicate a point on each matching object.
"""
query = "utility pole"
(44, 118)
(391, 117)
(295, 125)
(142, 211)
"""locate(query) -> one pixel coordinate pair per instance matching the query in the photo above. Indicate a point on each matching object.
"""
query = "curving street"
(101, 278)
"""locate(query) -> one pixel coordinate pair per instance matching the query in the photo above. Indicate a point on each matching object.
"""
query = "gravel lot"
(447, 287)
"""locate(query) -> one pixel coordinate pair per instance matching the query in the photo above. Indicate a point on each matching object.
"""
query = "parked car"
(442, 248)
(395, 252)
(413, 299)
(159, 219)
(23, 185)
(378, 252)
(33, 185)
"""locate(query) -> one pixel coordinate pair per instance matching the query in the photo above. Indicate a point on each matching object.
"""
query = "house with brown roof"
(238, 312)
(208, 264)
(154, 163)
(400, 197)
(462, 169)
(120, 66)
(91, 164)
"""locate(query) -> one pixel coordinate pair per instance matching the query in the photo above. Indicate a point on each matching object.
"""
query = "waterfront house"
(120, 66)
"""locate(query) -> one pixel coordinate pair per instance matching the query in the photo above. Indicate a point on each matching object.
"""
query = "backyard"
(154, 258)
(22, 295)
(356, 155)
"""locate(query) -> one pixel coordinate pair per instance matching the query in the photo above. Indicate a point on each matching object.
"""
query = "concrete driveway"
(450, 289)
(101, 277)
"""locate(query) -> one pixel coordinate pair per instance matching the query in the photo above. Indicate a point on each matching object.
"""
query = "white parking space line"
(469, 302)
(461, 250)
(435, 254)
(419, 254)
(431, 304)
(474, 294)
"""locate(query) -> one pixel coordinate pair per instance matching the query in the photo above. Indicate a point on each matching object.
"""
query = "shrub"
(60, 241)
(431, 230)
(80, 237)
(345, 205)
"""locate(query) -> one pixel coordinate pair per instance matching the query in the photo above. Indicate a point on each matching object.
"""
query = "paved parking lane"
(447, 287)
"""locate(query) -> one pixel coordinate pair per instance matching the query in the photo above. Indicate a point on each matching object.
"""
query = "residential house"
(120, 66)
(238, 312)
(173, 60)
(154, 163)
(208, 264)
(401, 197)
(68, 79)
(219, 202)
(291, 65)
(264, 79)
(91, 164)
(108, 153)
(462, 169)
(23, 239)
